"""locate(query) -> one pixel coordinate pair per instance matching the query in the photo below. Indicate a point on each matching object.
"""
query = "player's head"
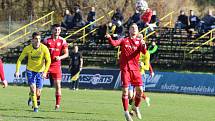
(141, 5)
(210, 12)
(191, 12)
(153, 43)
(56, 29)
(182, 12)
(75, 48)
(67, 12)
(93, 9)
(133, 29)
(36, 38)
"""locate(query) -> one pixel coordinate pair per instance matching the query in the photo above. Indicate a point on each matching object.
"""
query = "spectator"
(146, 17)
(67, 20)
(154, 18)
(101, 32)
(134, 19)
(111, 28)
(119, 31)
(91, 17)
(78, 19)
(208, 21)
(153, 51)
(117, 16)
(182, 22)
(75, 66)
(193, 19)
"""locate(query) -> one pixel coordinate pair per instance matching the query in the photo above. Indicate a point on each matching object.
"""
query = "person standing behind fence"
(75, 66)
(4, 82)
(37, 67)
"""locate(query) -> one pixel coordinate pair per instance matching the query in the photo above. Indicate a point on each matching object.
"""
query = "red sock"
(143, 95)
(125, 102)
(137, 100)
(58, 98)
(1, 71)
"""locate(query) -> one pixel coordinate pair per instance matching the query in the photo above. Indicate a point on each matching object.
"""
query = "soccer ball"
(141, 5)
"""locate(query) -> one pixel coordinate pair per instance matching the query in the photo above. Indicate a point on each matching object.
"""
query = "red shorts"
(132, 77)
(55, 72)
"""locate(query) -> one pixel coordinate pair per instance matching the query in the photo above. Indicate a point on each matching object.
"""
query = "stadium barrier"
(24, 32)
(94, 78)
(189, 83)
(83, 29)
(174, 82)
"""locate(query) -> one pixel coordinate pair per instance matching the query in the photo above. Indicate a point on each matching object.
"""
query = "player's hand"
(16, 75)
(5, 84)
(140, 36)
(44, 75)
(107, 35)
(58, 58)
(80, 69)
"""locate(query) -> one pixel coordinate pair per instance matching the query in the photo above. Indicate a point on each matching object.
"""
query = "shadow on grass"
(48, 117)
(13, 115)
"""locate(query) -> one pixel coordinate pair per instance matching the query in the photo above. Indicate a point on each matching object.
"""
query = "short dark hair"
(35, 34)
(55, 25)
(74, 46)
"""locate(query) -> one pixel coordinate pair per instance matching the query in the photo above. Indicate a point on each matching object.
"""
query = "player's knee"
(125, 91)
(38, 92)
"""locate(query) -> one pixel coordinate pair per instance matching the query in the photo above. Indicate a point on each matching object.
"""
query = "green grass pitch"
(102, 105)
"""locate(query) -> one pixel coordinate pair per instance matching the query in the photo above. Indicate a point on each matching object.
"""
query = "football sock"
(125, 102)
(58, 99)
(34, 100)
(137, 100)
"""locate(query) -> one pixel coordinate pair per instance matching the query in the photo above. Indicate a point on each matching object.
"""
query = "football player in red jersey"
(129, 66)
(58, 49)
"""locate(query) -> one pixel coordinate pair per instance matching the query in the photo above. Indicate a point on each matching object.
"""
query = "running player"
(37, 66)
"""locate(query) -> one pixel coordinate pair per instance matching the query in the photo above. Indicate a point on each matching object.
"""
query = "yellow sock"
(34, 100)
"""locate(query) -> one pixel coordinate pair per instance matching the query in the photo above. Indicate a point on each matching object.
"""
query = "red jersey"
(2, 78)
(146, 17)
(130, 52)
(55, 48)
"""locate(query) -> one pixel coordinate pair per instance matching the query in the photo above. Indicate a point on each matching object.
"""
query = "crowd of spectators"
(76, 19)
(194, 23)
(118, 27)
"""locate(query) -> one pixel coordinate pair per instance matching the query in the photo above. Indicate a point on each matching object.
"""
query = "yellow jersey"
(38, 59)
(144, 62)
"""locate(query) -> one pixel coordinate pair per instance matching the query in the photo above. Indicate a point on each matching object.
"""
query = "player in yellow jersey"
(37, 66)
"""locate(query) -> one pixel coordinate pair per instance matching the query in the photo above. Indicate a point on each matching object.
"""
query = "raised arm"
(113, 42)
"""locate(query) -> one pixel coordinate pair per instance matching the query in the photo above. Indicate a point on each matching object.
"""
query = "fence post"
(84, 32)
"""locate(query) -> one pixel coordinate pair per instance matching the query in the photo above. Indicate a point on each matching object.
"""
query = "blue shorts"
(35, 78)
